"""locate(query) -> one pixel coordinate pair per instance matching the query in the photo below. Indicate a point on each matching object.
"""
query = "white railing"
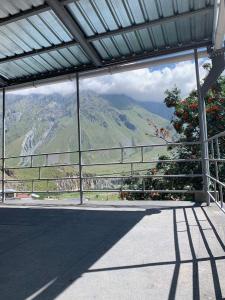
(89, 182)
(215, 163)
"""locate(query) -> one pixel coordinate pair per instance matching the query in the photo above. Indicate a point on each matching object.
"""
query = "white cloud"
(143, 84)
(62, 88)
(147, 84)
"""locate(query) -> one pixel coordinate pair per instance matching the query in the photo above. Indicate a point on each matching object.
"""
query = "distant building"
(9, 193)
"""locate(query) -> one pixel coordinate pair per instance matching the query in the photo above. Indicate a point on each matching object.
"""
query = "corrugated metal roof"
(11, 7)
(116, 30)
(101, 16)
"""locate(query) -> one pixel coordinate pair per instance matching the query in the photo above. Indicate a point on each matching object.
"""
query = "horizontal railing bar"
(216, 180)
(143, 176)
(140, 162)
(218, 135)
(143, 191)
(107, 149)
(106, 164)
(109, 190)
(143, 146)
(216, 159)
(44, 166)
(106, 177)
(216, 202)
(40, 179)
(41, 154)
(45, 192)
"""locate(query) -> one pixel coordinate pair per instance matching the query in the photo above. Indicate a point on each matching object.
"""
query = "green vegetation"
(40, 124)
(186, 124)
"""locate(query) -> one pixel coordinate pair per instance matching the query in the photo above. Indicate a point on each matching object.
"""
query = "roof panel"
(56, 26)
(136, 10)
(58, 50)
(13, 41)
(36, 32)
(39, 23)
(13, 70)
(67, 54)
(146, 39)
(101, 50)
(34, 64)
(15, 6)
(151, 9)
(123, 44)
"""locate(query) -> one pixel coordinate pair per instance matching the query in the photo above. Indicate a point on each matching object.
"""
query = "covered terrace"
(127, 250)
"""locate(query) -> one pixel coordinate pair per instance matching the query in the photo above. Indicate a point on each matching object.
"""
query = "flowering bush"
(185, 121)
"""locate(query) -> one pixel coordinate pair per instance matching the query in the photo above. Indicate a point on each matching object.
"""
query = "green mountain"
(41, 124)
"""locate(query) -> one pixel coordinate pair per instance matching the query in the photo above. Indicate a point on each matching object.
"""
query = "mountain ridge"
(38, 123)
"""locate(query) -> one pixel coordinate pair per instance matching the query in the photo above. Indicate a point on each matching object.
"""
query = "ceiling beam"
(71, 25)
(45, 7)
(34, 10)
(37, 52)
(96, 37)
(24, 14)
(3, 81)
(153, 23)
(31, 80)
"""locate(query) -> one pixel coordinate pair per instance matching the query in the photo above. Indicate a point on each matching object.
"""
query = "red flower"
(193, 106)
(210, 100)
(185, 115)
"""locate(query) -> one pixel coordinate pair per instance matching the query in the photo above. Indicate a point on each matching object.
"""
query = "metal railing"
(216, 166)
(82, 181)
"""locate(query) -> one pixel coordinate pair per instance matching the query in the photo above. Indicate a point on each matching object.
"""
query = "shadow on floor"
(43, 251)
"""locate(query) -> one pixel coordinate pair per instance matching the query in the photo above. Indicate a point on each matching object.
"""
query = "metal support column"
(203, 132)
(79, 139)
(3, 145)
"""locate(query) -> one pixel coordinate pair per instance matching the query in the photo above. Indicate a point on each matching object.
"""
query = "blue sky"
(144, 85)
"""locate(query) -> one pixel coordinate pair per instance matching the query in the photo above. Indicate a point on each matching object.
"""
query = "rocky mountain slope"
(38, 123)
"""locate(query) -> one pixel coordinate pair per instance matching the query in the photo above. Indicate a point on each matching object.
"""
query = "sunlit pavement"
(112, 250)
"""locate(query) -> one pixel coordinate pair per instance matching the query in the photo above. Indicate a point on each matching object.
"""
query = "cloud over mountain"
(143, 84)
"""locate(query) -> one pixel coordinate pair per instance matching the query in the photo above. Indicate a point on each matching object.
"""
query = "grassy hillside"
(42, 124)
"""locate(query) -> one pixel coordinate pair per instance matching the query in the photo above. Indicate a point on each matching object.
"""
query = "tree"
(185, 121)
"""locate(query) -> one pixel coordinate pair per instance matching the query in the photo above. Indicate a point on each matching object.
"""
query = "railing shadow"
(44, 251)
(195, 261)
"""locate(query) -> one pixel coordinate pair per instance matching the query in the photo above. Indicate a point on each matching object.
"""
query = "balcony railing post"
(79, 140)
(3, 145)
(217, 173)
(203, 133)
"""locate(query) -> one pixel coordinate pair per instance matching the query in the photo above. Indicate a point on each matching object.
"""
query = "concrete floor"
(135, 250)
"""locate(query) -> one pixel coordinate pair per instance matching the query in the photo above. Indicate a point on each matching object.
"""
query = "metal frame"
(217, 195)
(203, 130)
(68, 21)
(3, 145)
(122, 62)
(79, 139)
(85, 42)
(218, 61)
(97, 37)
(46, 7)
(80, 178)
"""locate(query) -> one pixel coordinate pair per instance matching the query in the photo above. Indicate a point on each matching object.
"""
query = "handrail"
(107, 149)
(107, 183)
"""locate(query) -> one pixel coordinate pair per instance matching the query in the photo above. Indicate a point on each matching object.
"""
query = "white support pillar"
(79, 139)
(203, 133)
